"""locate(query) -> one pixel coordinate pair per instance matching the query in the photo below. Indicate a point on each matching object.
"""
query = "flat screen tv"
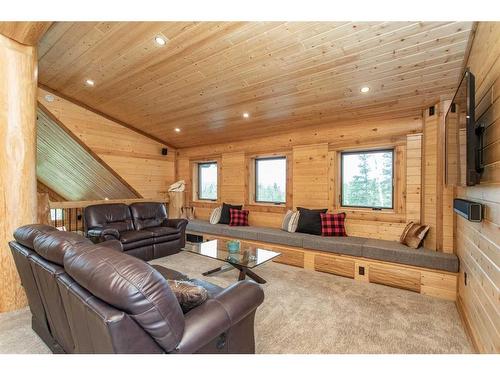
(463, 137)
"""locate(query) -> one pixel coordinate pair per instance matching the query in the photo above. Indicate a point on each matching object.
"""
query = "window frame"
(256, 180)
(198, 185)
(392, 150)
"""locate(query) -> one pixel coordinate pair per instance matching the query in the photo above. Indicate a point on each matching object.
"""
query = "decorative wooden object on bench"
(435, 283)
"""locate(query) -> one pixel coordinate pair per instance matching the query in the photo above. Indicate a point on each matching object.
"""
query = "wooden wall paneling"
(18, 197)
(394, 276)
(233, 176)
(478, 244)
(135, 158)
(413, 177)
(28, 33)
(310, 173)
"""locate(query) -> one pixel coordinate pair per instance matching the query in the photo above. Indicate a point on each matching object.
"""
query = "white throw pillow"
(286, 220)
(290, 221)
(215, 215)
(294, 221)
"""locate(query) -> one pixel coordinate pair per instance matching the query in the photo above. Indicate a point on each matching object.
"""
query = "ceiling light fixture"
(364, 89)
(160, 41)
(246, 115)
(49, 98)
(90, 82)
(177, 130)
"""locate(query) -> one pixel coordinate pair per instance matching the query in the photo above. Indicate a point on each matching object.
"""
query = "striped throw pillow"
(215, 215)
(290, 221)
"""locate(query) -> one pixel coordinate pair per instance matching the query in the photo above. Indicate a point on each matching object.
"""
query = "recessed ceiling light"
(160, 41)
(49, 98)
(90, 82)
(364, 89)
(246, 115)
(177, 130)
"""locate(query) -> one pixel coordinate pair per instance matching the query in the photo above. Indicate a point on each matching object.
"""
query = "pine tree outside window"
(367, 179)
(270, 180)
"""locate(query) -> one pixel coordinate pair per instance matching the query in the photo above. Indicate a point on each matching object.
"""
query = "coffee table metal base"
(244, 272)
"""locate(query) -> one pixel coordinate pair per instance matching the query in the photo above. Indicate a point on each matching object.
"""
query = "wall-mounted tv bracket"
(480, 128)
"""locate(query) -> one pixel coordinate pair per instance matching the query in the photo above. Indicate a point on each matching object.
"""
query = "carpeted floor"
(311, 312)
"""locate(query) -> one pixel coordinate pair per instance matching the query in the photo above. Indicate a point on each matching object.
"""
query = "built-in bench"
(373, 260)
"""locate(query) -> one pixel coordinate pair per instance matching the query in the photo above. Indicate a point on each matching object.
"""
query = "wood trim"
(27, 33)
(193, 168)
(106, 116)
(435, 283)
(466, 324)
(470, 42)
(88, 149)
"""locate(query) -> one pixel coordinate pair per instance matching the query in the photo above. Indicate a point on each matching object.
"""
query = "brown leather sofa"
(94, 298)
(143, 229)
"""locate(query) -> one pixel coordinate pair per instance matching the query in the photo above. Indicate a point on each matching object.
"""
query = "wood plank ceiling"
(284, 75)
(66, 167)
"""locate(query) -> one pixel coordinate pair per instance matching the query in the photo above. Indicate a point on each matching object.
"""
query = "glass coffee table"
(244, 260)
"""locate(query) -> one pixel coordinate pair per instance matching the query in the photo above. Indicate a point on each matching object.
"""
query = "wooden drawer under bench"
(425, 281)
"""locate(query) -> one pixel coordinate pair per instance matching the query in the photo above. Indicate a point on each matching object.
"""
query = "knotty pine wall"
(136, 158)
(314, 175)
(478, 244)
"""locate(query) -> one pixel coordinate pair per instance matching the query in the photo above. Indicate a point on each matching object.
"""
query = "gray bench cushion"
(339, 245)
(389, 251)
(204, 227)
(392, 251)
(280, 237)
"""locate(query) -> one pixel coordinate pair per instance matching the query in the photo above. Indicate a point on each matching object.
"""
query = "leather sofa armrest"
(113, 244)
(103, 234)
(204, 323)
(176, 223)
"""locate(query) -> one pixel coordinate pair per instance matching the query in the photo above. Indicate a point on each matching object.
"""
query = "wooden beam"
(28, 33)
(106, 116)
(88, 149)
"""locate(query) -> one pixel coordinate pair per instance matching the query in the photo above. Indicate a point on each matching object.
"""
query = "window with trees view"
(207, 181)
(367, 179)
(270, 180)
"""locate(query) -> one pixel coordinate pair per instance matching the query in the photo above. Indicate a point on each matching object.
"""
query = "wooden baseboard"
(435, 283)
(465, 321)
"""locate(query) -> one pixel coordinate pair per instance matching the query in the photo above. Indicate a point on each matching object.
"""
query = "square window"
(367, 179)
(270, 180)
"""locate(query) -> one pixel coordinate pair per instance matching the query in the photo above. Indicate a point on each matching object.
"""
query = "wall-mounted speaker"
(164, 151)
(472, 211)
(431, 111)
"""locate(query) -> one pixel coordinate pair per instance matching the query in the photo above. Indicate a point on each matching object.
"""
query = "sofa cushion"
(135, 235)
(338, 245)
(130, 285)
(52, 245)
(115, 215)
(278, 236)
(391, 251)
(148, 214)
(26, 234)
(164, 231)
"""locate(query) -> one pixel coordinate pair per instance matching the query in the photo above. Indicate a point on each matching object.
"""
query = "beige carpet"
(311, 312)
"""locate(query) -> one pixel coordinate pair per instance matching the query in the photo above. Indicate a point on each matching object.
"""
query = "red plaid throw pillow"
(239, 218)
(333, 225)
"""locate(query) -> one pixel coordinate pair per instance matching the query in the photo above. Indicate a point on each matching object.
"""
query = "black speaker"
(431, 111)
(164, 151)
(472, 211)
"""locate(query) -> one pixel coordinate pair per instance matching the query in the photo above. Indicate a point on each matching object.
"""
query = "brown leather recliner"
(92, 298)
(143, 229)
